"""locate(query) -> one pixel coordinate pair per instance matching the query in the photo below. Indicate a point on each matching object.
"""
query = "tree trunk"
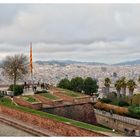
(107, 90)
(130, 93)
(123, 91)
(118, 93)
(15, 79)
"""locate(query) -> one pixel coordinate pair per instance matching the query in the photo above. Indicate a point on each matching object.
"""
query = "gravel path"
(6, 130)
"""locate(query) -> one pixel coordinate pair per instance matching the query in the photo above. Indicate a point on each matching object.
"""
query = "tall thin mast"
(31, 65)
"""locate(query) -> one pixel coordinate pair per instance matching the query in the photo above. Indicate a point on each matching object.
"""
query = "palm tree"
(118, 87)
(123, 85)
(107, 84)
(131, 86)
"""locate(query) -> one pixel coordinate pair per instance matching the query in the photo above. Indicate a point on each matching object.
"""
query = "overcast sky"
(107, 33)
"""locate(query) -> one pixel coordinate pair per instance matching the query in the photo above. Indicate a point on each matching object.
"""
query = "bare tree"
(15, 67)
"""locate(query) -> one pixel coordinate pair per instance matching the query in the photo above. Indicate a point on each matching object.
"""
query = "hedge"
(109, 107)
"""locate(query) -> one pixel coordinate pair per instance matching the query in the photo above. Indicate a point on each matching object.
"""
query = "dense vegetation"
(134, 111)
(18, 89)
(130, 106)
(78, 84)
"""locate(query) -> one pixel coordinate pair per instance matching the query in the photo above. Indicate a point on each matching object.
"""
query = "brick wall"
(60, 128)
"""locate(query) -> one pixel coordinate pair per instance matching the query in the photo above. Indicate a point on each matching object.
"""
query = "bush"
(122, 103)
(18, 89)
(134, 111)
(109, 107)
(1, 95)
(77, 84)
(136, 100)
(105, 100)
(64, 83)
(90, 86)
(41, 91)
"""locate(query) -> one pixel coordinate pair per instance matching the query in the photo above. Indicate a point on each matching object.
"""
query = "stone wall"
(60, 128)
(117, 122)
(82, 112)
(83, 99)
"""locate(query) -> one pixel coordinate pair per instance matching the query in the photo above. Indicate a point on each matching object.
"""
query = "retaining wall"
(118, 122)
(82, 112)
(62, 129)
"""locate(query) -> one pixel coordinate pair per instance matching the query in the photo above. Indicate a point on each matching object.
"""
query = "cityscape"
(69, 70)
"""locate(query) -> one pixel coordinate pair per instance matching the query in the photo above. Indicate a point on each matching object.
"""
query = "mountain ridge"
(67, 62)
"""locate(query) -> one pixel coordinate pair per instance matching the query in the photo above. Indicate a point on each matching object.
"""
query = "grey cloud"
(101, 32)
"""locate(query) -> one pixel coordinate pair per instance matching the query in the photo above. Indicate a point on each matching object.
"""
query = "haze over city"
(107, 33)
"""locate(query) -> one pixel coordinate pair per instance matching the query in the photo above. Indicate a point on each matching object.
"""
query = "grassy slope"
(29, 98)
(70, 93)
(9, 104)
(49, 95)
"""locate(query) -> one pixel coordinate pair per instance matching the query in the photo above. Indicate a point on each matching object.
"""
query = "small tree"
(90, 86)
(14, 67)
(77, 84)
(64, 83)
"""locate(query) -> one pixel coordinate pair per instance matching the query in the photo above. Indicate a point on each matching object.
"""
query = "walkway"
(7, 130)
(22, 126)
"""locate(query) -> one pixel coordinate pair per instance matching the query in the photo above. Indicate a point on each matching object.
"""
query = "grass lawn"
(7, 102)
(49, 95)
(70, 93)
(29, 98)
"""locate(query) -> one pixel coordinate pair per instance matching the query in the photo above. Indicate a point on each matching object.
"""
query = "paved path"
(20, 125)
(7, 130)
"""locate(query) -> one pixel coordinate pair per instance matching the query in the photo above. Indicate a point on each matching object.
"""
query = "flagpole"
(31, 65)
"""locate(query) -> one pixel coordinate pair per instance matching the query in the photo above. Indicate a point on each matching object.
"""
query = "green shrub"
(109, 107)
(64, 83)
(122, 103)
(1, 94)
(134, 111)
(105, 100)
(18, 89)
(136, 99)
(41, 91)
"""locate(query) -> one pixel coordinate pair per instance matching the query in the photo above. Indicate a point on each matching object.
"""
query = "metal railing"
(118, 117)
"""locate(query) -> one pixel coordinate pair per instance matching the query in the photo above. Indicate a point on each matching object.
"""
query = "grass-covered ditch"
(70, 93)
(8, 103)
(49, 96)
(29, 98)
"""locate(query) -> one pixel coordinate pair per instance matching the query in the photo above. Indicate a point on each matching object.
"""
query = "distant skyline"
(107, 33)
